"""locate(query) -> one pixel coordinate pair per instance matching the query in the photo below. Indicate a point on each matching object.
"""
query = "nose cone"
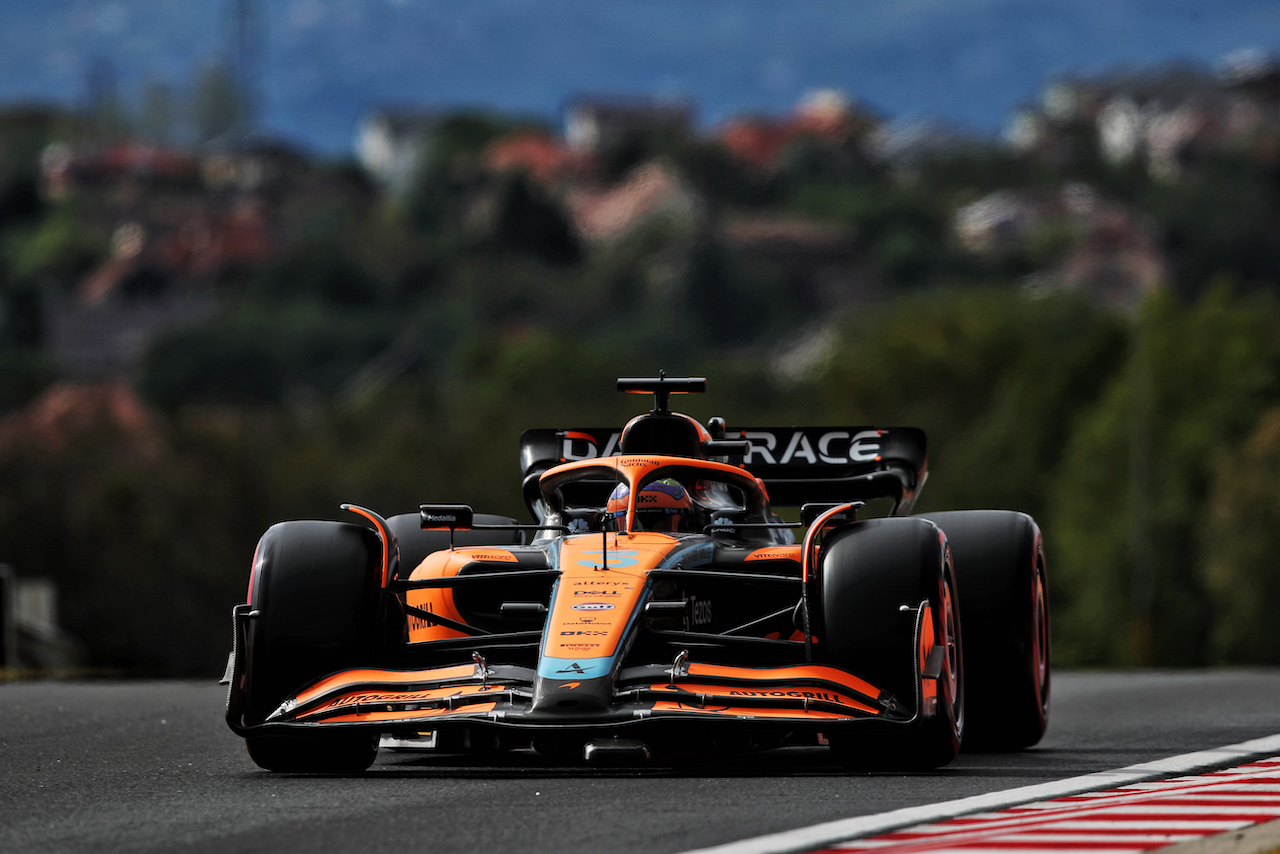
(571, 697)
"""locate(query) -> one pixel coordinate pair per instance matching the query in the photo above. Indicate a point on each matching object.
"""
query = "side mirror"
(810, 512)
(451, 516)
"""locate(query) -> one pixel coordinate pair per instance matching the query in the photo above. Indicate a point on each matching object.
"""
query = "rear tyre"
(869, 571)
(316, 587)
(1000, 557)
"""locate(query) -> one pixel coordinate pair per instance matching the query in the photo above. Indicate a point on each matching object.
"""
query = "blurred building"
(392, 145)
(595, 123)
(252, 164)
(180, 223)
(826, 115)
(912, 143)
(650, 192)
(1106, 251)
(1170, 120)
(821, 263)
(546, 160)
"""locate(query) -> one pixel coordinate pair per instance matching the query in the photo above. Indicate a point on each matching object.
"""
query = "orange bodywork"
(600, 587)
(601, 580)
(445, 564)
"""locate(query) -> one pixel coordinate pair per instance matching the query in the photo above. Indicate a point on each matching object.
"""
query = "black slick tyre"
(316, 588)
(869, 571)
(999, 557)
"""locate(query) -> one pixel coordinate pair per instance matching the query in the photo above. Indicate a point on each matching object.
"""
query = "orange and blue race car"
(657, 605)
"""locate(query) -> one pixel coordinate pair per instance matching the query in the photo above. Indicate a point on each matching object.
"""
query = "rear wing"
(799, 465)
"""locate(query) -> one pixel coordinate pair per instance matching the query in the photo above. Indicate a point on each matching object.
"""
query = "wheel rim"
(1040, 639)
(950, 637)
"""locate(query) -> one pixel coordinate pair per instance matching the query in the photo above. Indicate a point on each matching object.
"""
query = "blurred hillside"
(321, 64)
(199, 340)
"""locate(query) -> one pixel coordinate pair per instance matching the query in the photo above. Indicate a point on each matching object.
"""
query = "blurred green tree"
(1128, 577)
(1240, 538)
(995, 378)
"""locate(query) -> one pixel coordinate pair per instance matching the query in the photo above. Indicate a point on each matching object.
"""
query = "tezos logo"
(593, 606)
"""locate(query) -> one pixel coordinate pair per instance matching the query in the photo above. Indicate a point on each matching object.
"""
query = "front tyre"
(870, 571)
(316, 588)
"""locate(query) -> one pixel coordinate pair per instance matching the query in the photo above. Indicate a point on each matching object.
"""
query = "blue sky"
(966, 61)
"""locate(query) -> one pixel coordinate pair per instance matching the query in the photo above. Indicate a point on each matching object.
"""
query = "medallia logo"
(593, 606)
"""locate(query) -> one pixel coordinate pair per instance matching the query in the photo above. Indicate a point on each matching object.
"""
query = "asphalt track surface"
(150, 766)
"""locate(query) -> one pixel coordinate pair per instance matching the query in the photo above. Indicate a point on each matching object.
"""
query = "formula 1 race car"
(657, 605)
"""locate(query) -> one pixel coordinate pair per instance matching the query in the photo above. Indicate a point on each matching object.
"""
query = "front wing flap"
(476, 693)
(502, 696)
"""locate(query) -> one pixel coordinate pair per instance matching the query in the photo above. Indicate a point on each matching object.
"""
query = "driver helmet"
(663, 505)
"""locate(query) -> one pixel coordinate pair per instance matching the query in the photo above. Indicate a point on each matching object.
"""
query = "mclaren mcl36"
(656, 604)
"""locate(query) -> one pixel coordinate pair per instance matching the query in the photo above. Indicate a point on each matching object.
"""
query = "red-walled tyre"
(999, 557)
(869, 571)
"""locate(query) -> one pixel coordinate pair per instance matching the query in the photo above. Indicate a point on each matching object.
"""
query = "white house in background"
(593, 123)
(391, 145)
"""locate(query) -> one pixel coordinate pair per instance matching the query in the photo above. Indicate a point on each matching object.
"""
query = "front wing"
(811, 696)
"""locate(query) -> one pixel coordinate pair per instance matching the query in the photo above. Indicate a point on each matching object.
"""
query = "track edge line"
(818, 835)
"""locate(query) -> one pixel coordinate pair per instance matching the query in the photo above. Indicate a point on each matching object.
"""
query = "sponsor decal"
(798, 695)
(587, 633)
(834, 447)
(699, 611)
(582, 446)
(586, 667)
(628, 462)
(762, 445)
(723, 525)
(440, 518)
(774, 554)
(865, 447)
(620, 559)
(698, 555)
(799, 447)
(599, 592)
(386, 697)
(503, 556)
(593, 606)
(773, 447)
(589, 582)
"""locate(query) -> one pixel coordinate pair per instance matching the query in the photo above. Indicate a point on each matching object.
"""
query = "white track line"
(819, 835)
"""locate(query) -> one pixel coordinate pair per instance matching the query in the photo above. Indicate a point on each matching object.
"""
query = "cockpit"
(651, 493)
